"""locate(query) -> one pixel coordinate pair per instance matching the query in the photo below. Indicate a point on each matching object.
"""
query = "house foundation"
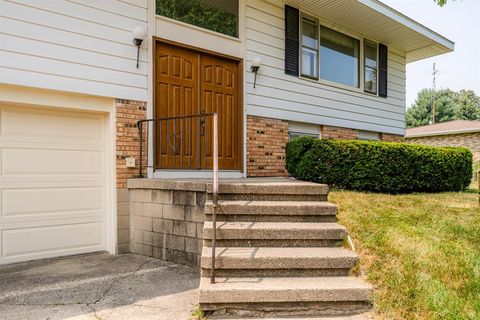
(166, 219)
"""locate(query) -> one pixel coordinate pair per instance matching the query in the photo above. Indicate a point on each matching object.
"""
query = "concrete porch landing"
(198, 184)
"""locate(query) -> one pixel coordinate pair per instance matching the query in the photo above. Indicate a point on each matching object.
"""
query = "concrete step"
(305, 296)
(271, 189)
(275, 234)
(278, 262)
(364, 316)
(281, 211)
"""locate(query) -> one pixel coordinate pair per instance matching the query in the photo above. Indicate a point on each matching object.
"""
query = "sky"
(458, 21)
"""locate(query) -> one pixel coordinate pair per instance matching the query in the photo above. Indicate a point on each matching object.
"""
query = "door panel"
(192, 83)
(219, 87)
(176, 95)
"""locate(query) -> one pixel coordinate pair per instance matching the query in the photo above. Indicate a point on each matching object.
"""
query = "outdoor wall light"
(256, 63)
(139, 33)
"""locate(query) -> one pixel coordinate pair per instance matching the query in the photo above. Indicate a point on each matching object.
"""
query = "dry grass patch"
(420, 251)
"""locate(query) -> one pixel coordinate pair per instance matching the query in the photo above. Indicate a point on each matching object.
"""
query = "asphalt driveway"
(98, 286)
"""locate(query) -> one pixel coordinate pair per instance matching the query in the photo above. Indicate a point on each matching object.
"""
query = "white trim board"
(204, 174)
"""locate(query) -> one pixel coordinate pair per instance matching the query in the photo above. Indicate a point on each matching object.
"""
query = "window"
(315, 51)
(218, 16)
(368, 135)
(309, 48)
(300, 129)
(371, 66)
(293, 135)
(339, 57)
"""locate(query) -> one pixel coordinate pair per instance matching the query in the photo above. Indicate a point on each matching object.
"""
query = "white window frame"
(365, 67)
(303, 129)
(368, 135)
(301, 46)
(320, 22)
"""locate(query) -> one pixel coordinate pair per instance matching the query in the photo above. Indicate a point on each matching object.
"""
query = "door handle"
(202, 124)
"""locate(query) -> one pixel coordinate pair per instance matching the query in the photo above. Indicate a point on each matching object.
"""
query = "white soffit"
(375, 20)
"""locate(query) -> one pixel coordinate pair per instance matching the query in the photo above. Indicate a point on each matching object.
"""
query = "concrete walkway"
(98, 286)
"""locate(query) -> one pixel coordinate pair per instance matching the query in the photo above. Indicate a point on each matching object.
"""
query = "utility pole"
(434, 92)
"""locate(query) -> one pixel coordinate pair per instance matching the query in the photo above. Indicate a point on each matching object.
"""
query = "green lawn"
(421, 252)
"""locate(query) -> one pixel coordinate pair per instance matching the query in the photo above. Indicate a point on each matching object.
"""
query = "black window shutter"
(383, 70)
(291, 40)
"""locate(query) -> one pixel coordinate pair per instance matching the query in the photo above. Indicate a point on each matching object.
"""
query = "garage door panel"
(53, 180)
(50, 124)
(17, 143)
(48, 162)
(35, 242)
(50, 200)
(28, 181)
(50, 219)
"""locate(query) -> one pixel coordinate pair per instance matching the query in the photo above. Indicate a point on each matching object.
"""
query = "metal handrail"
(215, 169)
(214, 194)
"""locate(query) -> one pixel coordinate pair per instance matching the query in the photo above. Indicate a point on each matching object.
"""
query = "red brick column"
(266, 140)
(128, 113)
(329, 132)
(387, 137)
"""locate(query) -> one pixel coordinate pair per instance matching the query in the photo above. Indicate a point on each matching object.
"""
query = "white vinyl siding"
(80, 46)
(286, 97)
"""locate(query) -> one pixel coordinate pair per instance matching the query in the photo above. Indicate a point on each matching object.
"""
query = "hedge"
(379, 166)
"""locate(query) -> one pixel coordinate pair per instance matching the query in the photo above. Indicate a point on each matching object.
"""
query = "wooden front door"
(192, 83)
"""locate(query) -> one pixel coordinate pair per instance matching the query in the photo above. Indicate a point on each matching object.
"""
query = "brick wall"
(266, 140)
(127, 114)
(387, 137)
(168, 224)
(329, 132)
(469, 140)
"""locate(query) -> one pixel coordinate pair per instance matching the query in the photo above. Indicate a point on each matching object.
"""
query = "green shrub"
(379, 166)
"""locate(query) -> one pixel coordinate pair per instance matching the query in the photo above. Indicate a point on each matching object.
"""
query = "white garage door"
(52, 183)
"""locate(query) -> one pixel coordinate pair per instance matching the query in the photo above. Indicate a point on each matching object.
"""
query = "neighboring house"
(71, 93)
(455, 133)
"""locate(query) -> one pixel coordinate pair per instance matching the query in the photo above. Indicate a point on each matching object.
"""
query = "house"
(74, 83)
(455, 133)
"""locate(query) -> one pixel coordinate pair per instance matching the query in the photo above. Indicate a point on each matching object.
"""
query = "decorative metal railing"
(183, 142)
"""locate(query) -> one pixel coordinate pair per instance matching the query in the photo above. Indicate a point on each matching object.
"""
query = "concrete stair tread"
(275, 230)
(279, 258)
(270, 186)
(277, 290)
(256, 207)
(367, 316)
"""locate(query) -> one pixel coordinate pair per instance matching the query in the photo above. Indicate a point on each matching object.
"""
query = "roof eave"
(408, 22)
(442, 45)
(440, 133)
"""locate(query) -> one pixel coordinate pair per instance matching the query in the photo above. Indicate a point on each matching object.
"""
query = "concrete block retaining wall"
(166, 220)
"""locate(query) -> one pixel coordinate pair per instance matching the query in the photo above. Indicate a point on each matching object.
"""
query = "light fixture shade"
(139, 32)
(257, 62)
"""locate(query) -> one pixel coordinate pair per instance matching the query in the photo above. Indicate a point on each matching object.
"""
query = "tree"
(449, 105)
(441, 3)
(467, 105)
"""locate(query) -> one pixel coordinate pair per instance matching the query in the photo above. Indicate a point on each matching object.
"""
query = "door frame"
(240, 99)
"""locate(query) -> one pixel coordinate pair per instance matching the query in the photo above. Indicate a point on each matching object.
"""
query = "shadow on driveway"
(98, 286)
